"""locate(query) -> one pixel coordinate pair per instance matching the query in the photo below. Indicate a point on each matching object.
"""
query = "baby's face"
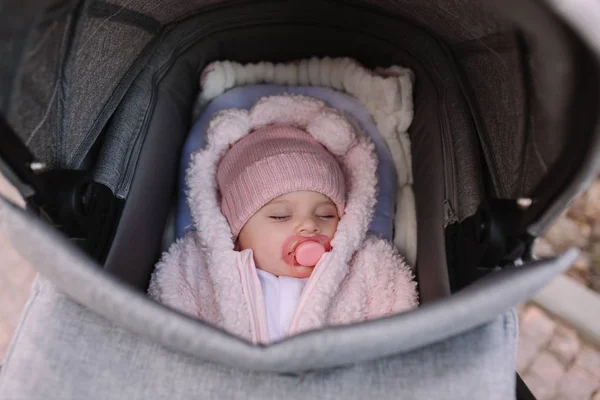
(297, 213)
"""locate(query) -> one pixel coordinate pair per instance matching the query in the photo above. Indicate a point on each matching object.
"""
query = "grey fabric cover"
(500, 93)
(17, 21)
(99, 63)
(34, 107)
(583, 19)
(63, 350)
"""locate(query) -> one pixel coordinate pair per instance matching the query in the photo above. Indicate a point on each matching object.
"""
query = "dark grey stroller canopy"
(96, 100)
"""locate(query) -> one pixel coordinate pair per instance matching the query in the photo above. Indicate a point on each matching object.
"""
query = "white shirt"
(281, 295)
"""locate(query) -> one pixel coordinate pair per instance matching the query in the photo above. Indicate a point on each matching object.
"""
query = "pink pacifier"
(305, 251)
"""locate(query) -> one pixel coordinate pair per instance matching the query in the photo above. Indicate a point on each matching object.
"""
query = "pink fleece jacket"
(363, 277)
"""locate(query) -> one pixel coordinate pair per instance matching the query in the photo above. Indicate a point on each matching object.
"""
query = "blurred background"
(559, 339)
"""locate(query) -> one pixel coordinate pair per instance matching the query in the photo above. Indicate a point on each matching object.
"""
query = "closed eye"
(279, 218)
(326, 216)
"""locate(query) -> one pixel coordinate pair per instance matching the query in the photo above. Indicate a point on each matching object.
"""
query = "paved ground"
(554, 361)
(16, 276)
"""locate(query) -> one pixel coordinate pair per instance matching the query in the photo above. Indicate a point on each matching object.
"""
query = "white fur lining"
(385, 92)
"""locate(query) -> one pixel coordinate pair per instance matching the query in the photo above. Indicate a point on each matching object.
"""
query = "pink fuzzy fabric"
(362, 278)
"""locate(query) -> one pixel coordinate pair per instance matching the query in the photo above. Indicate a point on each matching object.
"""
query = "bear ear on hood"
(286, 109)
(227, 127)
(328, 126)
(331, 128)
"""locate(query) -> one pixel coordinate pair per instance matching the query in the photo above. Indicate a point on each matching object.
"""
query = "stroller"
(97, 99)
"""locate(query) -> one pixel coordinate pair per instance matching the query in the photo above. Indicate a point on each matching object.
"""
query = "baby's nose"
(308, 225)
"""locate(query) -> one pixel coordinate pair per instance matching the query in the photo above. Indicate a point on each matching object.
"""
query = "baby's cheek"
(274, 251)
(330, 230)
(271, 256)
(266, 253)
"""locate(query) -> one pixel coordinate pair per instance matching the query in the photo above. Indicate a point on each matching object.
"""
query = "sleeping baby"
(281, 197)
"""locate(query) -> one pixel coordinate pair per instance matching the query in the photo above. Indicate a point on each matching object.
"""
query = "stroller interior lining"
(170, 97)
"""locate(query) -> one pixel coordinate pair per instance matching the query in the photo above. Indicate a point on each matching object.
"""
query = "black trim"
(101, 9)
(584, 119)
(528, 106)
(523, 392)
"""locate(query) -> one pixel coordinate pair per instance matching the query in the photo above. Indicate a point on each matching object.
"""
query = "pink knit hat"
(272, 161)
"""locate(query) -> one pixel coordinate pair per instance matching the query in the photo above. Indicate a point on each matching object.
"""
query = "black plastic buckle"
(81, 208)
(69, 200)
(494, 238)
